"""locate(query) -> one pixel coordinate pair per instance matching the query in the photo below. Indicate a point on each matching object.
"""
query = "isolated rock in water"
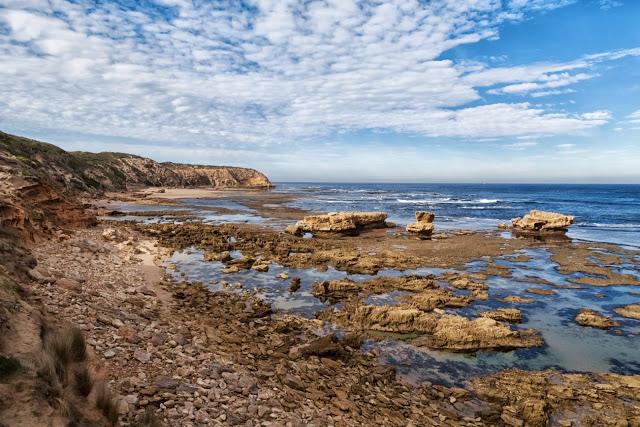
(260, 265)
(515, 299)
(230, 269)
(345, 223)
(541, 291)
(334, 288)
(512, 315)
(423, 226)
(631, 311)
(542, 221)
(295, 284)
(594, 319)
(457, 333)
(445, 331)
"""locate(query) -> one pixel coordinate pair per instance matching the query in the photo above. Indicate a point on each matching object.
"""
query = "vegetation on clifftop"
(86, 171)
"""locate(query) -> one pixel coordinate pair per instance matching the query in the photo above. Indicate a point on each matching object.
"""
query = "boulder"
(260, 265)
(338, 223)
(113, 235)
(438, 330)
(295, 284)
(423, 226)
(542, 221)
(631, 311)
(593, 319)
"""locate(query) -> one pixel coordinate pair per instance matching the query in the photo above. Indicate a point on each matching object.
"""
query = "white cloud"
(277, 73)
(522, 145)
(609, 4)
(634, 117)
(597, 115)
(544, 78)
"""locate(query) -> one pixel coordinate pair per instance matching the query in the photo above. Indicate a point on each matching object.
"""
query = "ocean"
(606, 213)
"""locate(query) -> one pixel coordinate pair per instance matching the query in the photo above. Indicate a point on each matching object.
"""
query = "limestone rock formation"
(542, 221)
(457, 333)
(394, 319)
(342, 288)
(560, 399)
(587, 317)
(338, 223)
(631, 311)
(512, 315)
(444, 331)
(423, 226)
(334, 288)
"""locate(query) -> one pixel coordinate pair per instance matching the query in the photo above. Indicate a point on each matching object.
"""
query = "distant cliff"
(116, 171)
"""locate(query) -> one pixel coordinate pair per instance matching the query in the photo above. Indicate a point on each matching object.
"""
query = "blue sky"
(335, 90)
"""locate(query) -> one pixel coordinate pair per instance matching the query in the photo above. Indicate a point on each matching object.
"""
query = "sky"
(335, 90)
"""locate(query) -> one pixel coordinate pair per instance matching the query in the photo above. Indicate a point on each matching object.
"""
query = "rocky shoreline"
(97, 329)
(179, 354)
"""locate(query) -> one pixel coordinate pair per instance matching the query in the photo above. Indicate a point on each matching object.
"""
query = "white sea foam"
(447, 200)
(605, 225)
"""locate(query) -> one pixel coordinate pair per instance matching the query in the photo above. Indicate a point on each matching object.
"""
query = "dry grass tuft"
(148, 419)
(69, 409)
(48, 378)
(66, 346)
(106, 403)
(83, 384)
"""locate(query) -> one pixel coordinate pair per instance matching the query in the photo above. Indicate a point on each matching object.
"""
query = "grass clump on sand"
(106, 403)
(148, 419)
(64, 378)
(67, 346)
(82, 382)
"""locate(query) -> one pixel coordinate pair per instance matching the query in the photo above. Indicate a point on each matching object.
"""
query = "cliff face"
(125, 170)
(116, 171)
(40, 183)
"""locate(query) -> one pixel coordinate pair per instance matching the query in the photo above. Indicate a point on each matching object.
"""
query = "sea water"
(609, 213)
